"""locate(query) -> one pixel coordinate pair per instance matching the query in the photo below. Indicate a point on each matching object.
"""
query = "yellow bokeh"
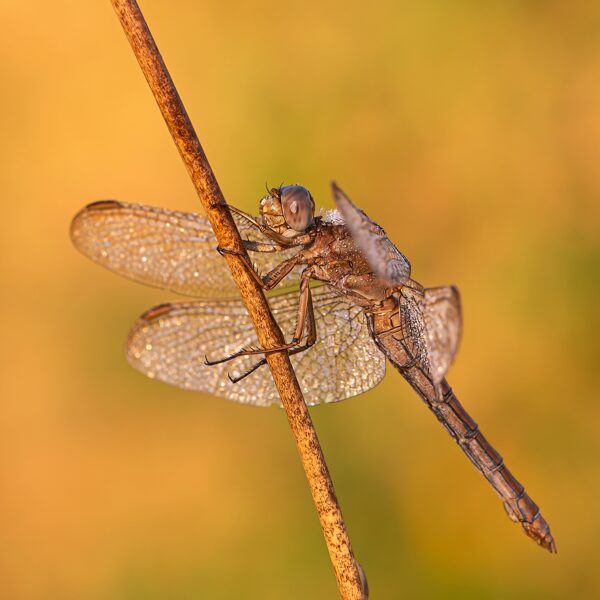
(470, 131)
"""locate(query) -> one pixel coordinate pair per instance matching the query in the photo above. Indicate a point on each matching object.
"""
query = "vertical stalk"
(269, 335)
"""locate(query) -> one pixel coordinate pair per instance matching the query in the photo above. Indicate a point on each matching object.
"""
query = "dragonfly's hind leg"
(250, 352)
(411, 358)
(306, 321)
(262, 362)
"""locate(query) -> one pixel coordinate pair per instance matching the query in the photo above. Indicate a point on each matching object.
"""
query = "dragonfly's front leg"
(280, 239)
(275, 275)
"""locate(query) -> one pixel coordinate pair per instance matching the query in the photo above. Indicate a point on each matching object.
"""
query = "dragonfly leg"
(250, 352)
(246, 260)
(256, 365)
(253, 247)
(412, 359)
(270, 233)
(262, 362)
(311, 338)
(306, 320)
(397, 329)
(273, 277)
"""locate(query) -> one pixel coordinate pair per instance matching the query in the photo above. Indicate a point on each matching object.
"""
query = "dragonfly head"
(289, 210)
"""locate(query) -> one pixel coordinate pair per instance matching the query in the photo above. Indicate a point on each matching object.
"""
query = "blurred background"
(470, 131)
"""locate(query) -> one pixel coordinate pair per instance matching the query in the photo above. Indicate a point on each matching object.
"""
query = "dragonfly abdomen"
(449, 411)
(518, 505)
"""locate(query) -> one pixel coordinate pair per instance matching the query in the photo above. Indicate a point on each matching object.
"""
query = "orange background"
(470, 131)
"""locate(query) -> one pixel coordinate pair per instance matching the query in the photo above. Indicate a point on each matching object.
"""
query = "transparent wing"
(164, 248)
(384, 258)
(431, 327)
(169, 342)
(443, 324)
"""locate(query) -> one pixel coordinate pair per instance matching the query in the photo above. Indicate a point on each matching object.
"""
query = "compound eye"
(298, 207)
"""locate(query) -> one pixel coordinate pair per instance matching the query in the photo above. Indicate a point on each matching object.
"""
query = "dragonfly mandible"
(364, 310)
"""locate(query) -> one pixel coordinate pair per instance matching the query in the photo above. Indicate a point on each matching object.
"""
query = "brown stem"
(268, 332)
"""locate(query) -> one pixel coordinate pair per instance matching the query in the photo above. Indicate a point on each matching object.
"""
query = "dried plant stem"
(268, 332)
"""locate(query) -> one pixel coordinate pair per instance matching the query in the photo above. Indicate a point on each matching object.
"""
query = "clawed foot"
(238, 378)
(231, 251)
(243, 352)
(251, 351)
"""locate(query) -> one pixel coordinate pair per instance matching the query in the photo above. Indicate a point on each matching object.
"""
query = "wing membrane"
(384, 258)
(169, 343)
(443, 324)
(164, 248)
(431, 326)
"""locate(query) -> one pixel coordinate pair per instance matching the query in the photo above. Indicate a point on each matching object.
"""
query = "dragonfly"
(339, 289)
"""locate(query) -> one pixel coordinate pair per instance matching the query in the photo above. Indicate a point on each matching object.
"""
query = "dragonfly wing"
(431, 327)
(162, 248)
(169, 343)
(443, 324)
(414, 333)
(345, 361)
(385, 259)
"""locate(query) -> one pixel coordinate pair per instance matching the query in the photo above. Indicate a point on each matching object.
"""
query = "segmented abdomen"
(455, 419)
